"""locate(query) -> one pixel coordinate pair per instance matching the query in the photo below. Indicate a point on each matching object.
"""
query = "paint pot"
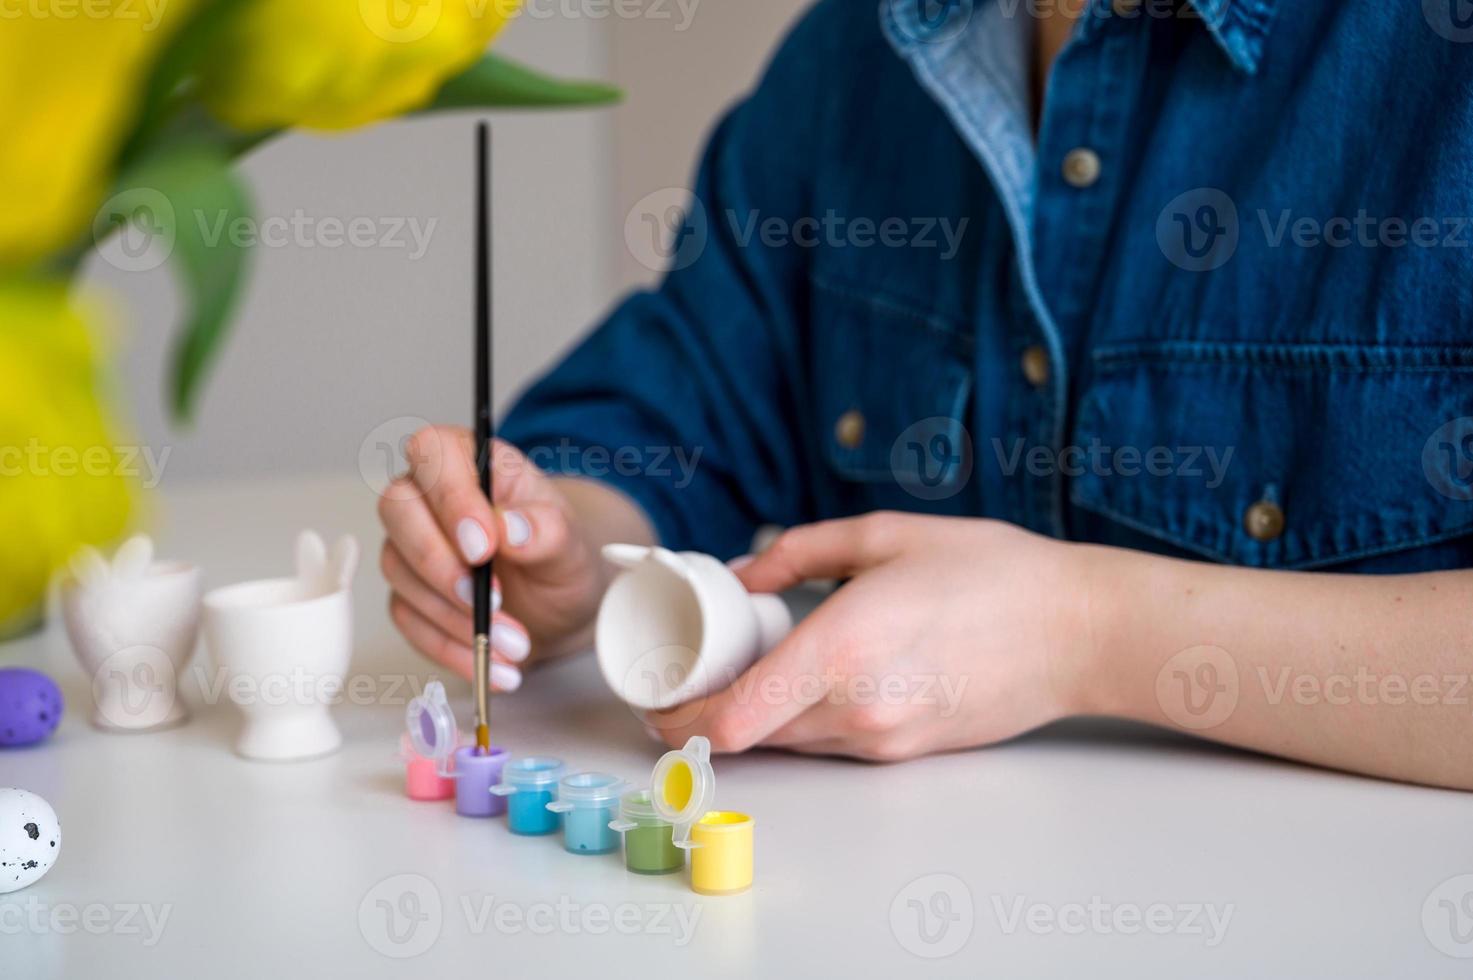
(649, 844)
(721, 853)
(475, 773)
(588, 801)
(428, 746)
(528, 785)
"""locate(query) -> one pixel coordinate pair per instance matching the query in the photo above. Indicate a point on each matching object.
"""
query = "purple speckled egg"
(30, 707)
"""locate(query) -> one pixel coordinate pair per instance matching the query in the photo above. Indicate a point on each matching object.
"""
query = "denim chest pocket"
(892, 389)
(1279, 456)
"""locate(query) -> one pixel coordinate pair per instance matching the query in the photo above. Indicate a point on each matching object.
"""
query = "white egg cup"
(133, 624)
(284, 646)
(674, 627)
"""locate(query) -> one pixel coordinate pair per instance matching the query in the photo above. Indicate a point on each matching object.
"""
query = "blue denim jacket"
(1220, 306)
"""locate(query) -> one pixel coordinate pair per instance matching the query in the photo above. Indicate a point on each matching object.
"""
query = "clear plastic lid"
(529, 772)
(431, 726)
(636, 809)
(683, 787)
(587, 790)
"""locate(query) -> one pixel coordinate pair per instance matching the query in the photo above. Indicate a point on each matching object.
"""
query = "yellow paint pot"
(721, 853)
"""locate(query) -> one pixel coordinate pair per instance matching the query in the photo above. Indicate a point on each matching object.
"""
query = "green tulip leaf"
(498, 82)
(182, 204)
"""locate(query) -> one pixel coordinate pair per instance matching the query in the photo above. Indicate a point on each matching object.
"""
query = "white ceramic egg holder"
(282, 645)
(674, 627)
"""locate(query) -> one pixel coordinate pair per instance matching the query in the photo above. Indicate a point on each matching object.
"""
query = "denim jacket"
(1216, 303)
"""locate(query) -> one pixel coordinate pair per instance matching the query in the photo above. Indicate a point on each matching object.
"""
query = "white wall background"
(337, 350)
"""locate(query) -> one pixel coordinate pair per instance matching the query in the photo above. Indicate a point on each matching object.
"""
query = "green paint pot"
(649, 845)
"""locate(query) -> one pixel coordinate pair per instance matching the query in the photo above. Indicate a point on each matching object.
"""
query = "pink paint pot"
(422, 778)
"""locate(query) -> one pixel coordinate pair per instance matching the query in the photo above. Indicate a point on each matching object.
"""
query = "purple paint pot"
(475, 774)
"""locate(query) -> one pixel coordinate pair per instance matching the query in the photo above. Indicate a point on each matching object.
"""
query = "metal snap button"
(1036, 366)
(1082, 168)
(849, 430)
(1264, 521)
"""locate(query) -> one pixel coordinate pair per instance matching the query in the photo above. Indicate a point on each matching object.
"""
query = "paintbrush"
(482, 598)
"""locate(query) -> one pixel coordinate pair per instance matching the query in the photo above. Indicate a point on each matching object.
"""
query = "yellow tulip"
(70, 85)
(337, 64)
(64, 481)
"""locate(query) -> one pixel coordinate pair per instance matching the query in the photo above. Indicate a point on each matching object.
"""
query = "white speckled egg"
(30, 839)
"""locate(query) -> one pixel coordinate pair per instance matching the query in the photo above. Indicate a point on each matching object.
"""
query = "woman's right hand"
(439, 526)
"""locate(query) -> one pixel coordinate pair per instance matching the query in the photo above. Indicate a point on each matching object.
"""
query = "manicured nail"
(473, 541)
(505, 677)
(510, 642)
(495, 599)
(740, 562)
(465, 590)
(518, 529)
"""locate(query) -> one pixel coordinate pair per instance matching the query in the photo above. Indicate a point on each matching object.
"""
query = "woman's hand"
(439, 526)
(951, 632)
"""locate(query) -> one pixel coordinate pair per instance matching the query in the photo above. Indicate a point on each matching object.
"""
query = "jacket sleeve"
(689, 398)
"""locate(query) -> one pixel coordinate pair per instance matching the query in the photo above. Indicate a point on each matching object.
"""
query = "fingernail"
(473, 541)
(465, 589)
(518, 529)
(654, 734)
(510, 642)
(495, 599)
(505, 677)
(740, 562)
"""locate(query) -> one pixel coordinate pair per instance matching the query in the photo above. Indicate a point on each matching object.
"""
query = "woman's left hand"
(950, 633)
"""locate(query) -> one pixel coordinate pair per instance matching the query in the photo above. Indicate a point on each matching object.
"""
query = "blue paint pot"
(588, 802)
(529, 785)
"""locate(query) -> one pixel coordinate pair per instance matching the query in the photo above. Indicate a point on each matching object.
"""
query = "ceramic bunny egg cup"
(284, 646)
(133, 624)
(673, 627)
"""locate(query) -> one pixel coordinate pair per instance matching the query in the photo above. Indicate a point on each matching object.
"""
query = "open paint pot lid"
(683, 787)
(431, 725)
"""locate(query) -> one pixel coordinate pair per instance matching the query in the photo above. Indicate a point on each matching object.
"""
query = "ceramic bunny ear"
(311, 557)
(132, 559)
(344, 563)
(89, 568)
(625, 555)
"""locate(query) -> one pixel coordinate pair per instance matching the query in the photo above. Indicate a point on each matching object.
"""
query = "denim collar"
(1240, 27)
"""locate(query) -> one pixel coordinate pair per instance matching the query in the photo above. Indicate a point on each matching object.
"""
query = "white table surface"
(1041, 858)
